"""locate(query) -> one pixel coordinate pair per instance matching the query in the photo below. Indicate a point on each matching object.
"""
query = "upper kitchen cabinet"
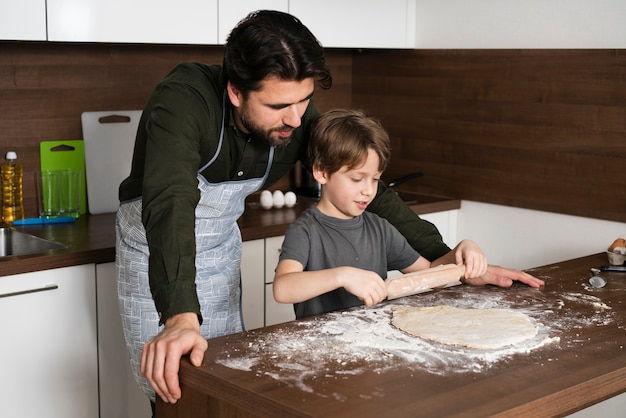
(137, 21)
(232, 11)
(23, 20)
(554, 24)
(359, 23)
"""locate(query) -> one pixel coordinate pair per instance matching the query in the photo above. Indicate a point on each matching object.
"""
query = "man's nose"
(292, 116)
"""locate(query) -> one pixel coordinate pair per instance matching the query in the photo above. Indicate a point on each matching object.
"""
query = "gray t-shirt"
(320, 242)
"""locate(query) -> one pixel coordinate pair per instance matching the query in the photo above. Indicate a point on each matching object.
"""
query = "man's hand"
(160, 358)
(504, 277)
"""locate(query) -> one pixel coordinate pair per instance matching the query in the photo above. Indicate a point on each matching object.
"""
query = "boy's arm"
(293, 285)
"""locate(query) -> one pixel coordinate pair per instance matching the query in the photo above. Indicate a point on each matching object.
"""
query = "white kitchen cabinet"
(23, 20)
(359, 23)
(275, 313)
(446, 223)
(258, 261)
(253, 283)
(48, 353)
(120, 396)
(137, 21)
(232, 11)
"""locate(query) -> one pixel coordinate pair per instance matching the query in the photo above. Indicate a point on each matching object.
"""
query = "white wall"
(548, 24)
(523, 238)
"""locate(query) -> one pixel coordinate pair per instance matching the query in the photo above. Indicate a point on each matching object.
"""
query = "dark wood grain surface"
(257, 222)
(45, 86)
(537, 129)
(92, 238)
(576, 360)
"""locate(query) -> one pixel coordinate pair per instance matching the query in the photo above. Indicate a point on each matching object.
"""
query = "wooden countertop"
(92, 238)
(354, 364)
(257, 222)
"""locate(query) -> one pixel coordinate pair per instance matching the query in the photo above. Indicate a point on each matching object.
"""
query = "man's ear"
(234, 95)
(319, 175)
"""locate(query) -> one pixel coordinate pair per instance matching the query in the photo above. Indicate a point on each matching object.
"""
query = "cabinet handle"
(25, 292)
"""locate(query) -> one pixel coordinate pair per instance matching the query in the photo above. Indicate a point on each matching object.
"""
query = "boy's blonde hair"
(342, 137)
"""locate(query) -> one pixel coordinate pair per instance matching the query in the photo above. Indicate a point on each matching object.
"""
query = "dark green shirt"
(177, 136)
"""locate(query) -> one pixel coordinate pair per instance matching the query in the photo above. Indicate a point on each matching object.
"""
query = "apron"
(218, 264)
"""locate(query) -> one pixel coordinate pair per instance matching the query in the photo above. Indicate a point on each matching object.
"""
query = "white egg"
(290, 199)
(279, 199)
(266, 200)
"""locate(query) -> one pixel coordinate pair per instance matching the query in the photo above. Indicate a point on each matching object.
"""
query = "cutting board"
(59, 155)
(109, 138)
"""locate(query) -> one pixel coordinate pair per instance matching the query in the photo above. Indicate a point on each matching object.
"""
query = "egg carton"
(617, 257)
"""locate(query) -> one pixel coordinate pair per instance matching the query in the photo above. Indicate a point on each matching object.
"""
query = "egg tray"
(617, 257)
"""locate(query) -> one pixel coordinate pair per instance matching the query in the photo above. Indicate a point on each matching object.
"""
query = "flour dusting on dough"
(474, 328)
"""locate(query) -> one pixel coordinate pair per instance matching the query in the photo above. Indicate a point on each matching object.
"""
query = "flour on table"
(473, 328)
(363, 340)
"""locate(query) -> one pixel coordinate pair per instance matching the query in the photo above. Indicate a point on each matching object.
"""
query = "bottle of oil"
(12, 197)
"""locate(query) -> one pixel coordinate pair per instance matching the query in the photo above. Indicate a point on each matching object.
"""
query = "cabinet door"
(23, 20)
(48, 354)
(253, 283)
(275, 313)
(359, 23)
(446, 223)
(232, 11)
(150, 21)
(273, 246)
(120, 396)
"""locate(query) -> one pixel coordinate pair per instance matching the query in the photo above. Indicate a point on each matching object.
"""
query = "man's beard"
(263, 134)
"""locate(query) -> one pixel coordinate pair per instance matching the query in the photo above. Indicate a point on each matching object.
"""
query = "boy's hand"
(469, 254)
(366, 285)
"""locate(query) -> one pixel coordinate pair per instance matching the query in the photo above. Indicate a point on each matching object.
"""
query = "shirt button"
(240, 173)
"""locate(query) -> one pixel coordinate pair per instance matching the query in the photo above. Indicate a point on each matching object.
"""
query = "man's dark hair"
(271, 43)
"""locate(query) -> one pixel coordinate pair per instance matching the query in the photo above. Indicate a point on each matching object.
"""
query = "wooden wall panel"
(538, 129)
(44, 88)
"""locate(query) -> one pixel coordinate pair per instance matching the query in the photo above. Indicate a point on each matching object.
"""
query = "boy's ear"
(319, 175)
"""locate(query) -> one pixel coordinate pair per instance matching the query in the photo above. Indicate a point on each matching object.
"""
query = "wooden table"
(309, 368)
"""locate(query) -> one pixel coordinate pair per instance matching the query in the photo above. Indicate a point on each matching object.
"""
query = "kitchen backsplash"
(538, 129)
(44, 88)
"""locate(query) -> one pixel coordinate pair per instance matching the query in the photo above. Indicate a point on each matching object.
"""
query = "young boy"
(336, 255)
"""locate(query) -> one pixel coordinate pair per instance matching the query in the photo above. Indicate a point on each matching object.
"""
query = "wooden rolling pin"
(423, 280)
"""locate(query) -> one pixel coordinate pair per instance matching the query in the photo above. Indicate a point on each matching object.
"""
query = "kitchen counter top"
(354, 363)
(92, 238)
(257, 222)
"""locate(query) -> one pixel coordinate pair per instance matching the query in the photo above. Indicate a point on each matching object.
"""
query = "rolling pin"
(424, 280)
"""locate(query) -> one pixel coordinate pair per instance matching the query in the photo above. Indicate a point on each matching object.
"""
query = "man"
(208, 137)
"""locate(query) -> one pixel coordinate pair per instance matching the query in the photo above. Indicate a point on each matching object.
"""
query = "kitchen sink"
(14, 242)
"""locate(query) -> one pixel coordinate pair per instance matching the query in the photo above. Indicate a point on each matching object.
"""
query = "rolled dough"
(474, 328)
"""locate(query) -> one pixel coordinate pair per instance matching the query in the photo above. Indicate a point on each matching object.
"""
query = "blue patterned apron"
(218, 260)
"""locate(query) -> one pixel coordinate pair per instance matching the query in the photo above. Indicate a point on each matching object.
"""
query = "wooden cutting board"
(109, 140)
(59, 155)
